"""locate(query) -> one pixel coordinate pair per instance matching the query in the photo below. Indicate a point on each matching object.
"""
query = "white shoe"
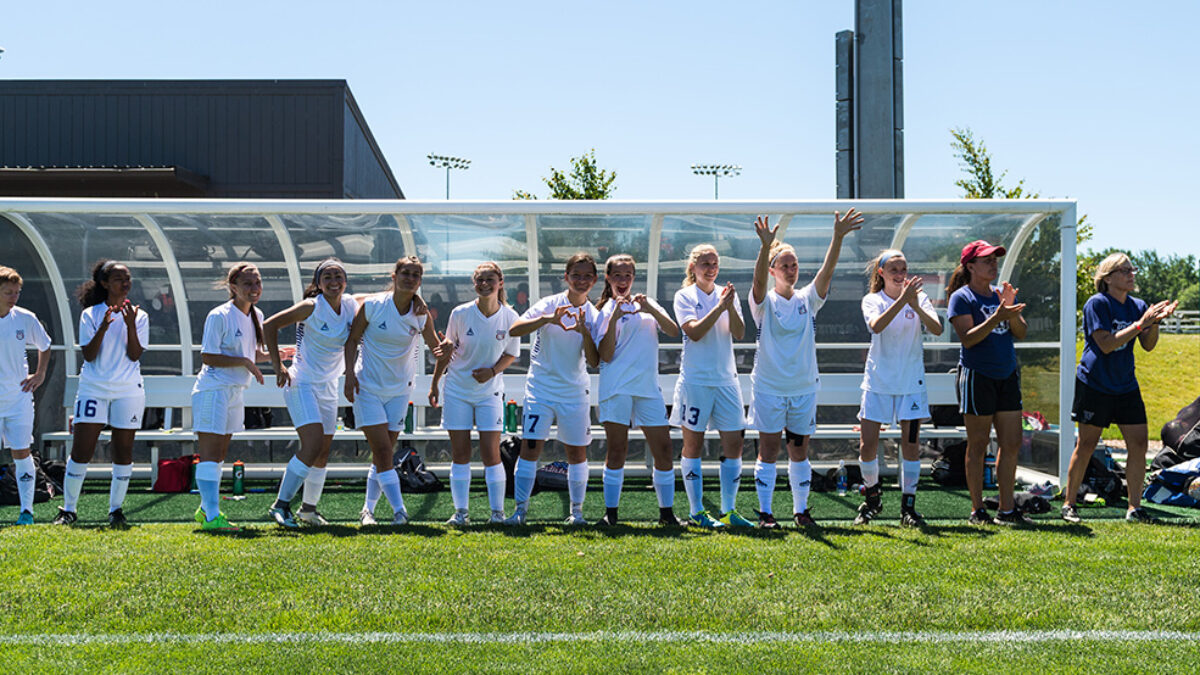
(365, 517)
(497, 517)
(400, 518)
(313, 517)
(460, 518)
(576, 518)
(517, 518)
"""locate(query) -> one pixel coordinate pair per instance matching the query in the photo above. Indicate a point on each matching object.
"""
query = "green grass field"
(1169, 377)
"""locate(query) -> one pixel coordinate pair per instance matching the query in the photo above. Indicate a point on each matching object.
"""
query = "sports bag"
(174, 475)
(10, 495)
(414, 477)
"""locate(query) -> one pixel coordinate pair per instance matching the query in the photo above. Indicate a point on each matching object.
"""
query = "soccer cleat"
(199, 516)
(517, 518)
(606, 521)
(667, 518)
(365, 517)
(767, 521)
(576, 518)
(400, 518)
(703, 519)
(459, 519)
(865, 514)
(872, 505)
(26, 518)
(980, 517)
(910, 518)
(65, 517)
(310, 517)
(1070, 513)
(497, 517)
(804, 520)
(219, 524)
(116, 518)
(733, 519)
(283, 517)
(1013, 518)
(1139, 515)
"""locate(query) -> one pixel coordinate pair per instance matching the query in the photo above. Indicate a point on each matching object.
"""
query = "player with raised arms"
(557, 385)
(323, 319)
(896, 311)
(987, 319)
(473, 393)
(232, 347)
(784, 380)
(380, 376)
(113, 333)
(1106, 386)
(19, 328)
(629, 393)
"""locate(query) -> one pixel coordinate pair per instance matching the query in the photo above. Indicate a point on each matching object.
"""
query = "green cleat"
(733, 519)
(219, 524)
(26, 518)
(706, 521)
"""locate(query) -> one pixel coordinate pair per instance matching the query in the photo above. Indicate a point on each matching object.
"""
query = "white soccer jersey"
(111, 374)
(708, 361)
(229, 332)
(557, 368)
(479, 341)
(896, 360)
(387, 357)
(19, 329)
(633, 370)
(320, 340)
(785, 363)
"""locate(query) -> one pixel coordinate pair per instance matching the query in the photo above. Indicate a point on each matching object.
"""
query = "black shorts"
(979, 394)
(1099, 409)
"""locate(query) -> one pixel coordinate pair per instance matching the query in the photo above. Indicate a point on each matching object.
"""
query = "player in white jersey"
(473, 392)
(323, 319)
(232, 346)
(557, 385)
(707, 394)
(113, 333)
(784, 381)
(19, 328)
(896, 310)
(380, 375)
(629, 392)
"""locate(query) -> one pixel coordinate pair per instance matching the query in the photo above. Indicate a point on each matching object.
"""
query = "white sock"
(910, 472)
(73, 483)
(614, 480)
(577, 477)
(26, 477)
(293, 476)
(208, 484)
(693, 483)
(523, 476)
(460, 485)
(119, 486)
(373, 491)
(314, 485)
(664, 488)
(496, 484)
(800, 478)
(764, 483)
(731, 479)
(389, 482)
(870, 472)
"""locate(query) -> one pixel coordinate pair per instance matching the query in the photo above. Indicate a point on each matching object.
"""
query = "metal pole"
(1066, 347)
(447, 183)
(716, 186)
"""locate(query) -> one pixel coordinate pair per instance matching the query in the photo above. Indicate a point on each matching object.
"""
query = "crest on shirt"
(802, 309)
(238, 333)
(413, 330)
(382, 325)
(470, 332)
(325, 326)
(20, 335)
(909, 314)
(501, 334)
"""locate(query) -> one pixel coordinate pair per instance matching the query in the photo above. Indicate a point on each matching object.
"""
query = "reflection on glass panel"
(1036, 276)
(37, 294)
(939, 238)
(452, 246)
(367, 245)
(562, 236)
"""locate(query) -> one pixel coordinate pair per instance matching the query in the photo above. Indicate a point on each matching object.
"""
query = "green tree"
(586, 180)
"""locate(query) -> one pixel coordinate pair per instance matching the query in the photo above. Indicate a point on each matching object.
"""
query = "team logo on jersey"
(20, 335)
(413, 330)
(238, 333)
(470, 332)
(382, 325)
(802, 310)
(501, 334)
(325, 327)
(909, 314)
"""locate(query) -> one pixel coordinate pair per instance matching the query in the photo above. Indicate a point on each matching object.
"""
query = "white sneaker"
(497, 517)
(576, 518)
(400, 518)
(313, 517)
(365, 517)
(517, 518)
(460, 518)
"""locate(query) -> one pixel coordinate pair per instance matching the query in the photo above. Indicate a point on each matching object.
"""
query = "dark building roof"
(188, 138)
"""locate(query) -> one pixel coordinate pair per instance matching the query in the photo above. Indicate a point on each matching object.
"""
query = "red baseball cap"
(979, 249)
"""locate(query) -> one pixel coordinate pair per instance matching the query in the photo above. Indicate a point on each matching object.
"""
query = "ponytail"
(960, 277)
(230, 280)
(314, 287)
(92, 292)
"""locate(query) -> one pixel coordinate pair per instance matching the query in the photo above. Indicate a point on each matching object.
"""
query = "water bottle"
(989, 471)
(239, 478)
(408, 419)
(841, 478)
(510, 417)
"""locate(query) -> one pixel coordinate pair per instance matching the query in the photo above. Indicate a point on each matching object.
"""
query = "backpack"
(1170, 486)
(827, 482)
(552, 476)
(1024, 502)
(258, 418)
(1104, 477)
(510, 450)
(414, 477)
(174, 475)
(10, 495)
(950, 468)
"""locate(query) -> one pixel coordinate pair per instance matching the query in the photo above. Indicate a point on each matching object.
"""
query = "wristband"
(1138, 326)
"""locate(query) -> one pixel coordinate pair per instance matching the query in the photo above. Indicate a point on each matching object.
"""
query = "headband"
(884, 258)
(327, 263)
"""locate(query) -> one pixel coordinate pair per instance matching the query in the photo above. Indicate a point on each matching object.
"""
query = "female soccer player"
(784, 380)
(19, 327)
(478, 334)
(110, 385)
(987, 319)
(232, 346)
(323, 321)
(380, 375)
(1106, 387)
(893, 384)
(557, 385)
(629, 391)
(707, 391)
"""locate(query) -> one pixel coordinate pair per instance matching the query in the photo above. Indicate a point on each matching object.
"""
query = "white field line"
(635, 637)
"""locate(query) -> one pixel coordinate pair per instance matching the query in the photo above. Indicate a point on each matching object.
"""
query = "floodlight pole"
(447, 162)
(716, 171)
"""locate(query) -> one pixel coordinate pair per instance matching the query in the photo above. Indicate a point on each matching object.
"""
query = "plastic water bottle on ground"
(841, 478)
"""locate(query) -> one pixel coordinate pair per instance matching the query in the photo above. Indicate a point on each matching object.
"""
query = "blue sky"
(1089, 100)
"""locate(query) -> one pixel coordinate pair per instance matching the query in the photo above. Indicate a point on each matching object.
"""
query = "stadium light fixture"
(446, 162)
(717, 171)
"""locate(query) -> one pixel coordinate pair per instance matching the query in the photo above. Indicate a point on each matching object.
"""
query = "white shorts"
(311, 403)
(891, 408)
(574, 421)
(699, 407)
(485, 414)
(16, 425)
(370, 410)
(772, 414)
(634, 411)
(119, 413)
(218, 411)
